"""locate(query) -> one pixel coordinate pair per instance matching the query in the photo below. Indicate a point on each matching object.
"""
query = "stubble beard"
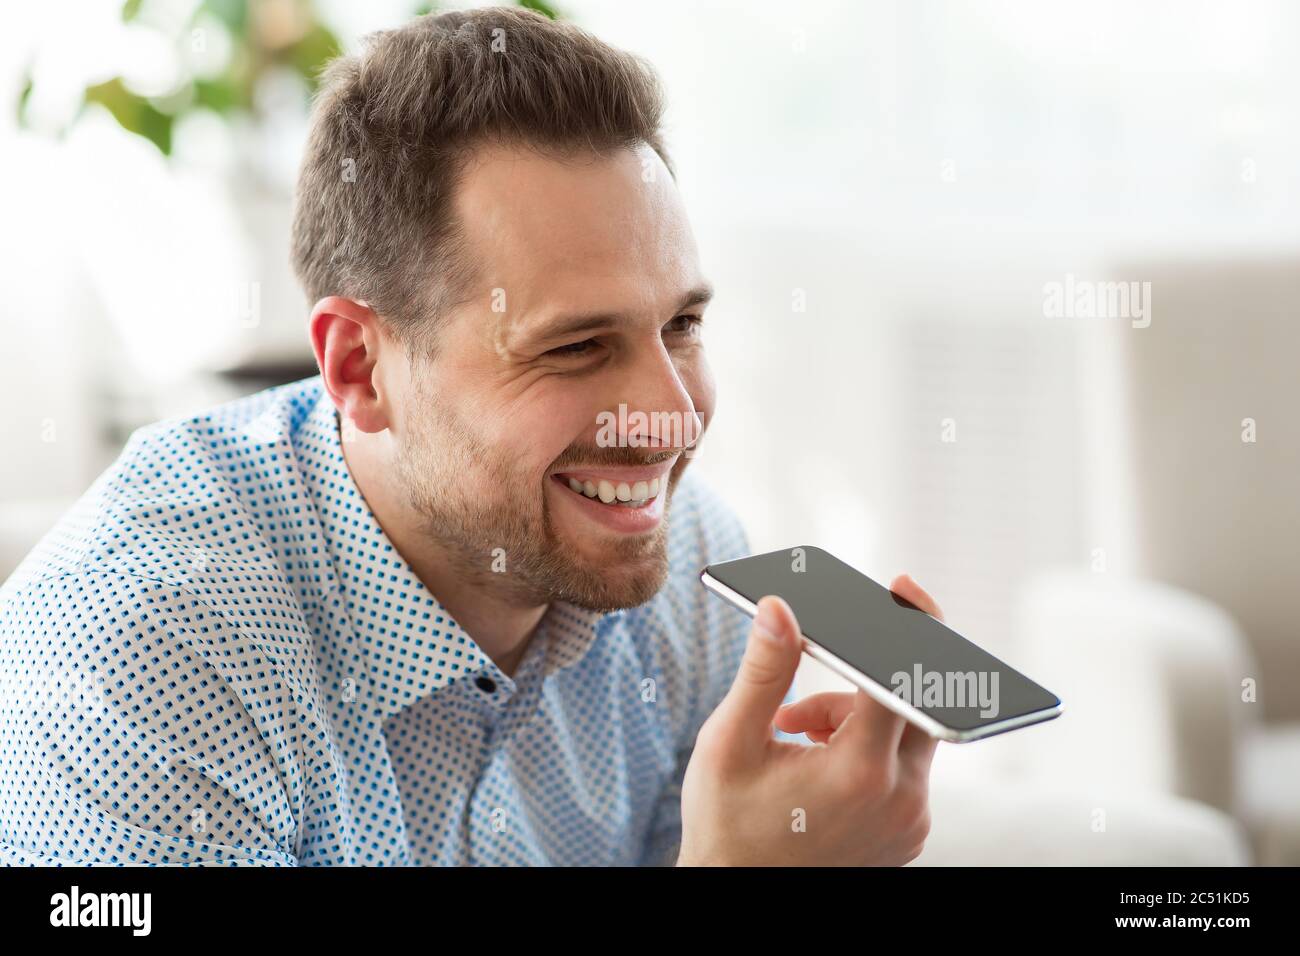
(496, 529)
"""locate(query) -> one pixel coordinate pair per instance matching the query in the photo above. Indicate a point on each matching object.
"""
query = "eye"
(684, 323)
(574, 348)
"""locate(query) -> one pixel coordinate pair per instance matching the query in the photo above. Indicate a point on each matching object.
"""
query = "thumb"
(766, 672)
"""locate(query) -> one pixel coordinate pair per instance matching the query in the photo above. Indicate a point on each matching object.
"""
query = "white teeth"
(636, 494)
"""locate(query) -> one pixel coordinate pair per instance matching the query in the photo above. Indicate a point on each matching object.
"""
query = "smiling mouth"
(616, 494)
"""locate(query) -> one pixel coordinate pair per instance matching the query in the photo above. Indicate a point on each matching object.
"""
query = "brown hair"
(392, 127)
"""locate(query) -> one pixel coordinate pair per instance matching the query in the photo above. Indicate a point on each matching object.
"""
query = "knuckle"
(710, 734)
(716, 726)
(715, 743)
(760, 671)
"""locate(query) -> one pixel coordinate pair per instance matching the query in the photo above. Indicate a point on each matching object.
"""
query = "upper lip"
(619, 473)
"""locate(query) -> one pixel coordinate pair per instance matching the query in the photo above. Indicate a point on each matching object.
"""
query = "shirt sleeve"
(125, 740)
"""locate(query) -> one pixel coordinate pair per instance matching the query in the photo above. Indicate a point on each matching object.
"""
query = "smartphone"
(910, 662)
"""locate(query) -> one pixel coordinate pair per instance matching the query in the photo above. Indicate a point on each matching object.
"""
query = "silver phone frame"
(879, 692)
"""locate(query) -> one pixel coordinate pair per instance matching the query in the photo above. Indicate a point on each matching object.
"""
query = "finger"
(871, 729)
(766, 673)
(818, 716)
(821, 736)
(824, 711)
(906, 588)
(918, 747)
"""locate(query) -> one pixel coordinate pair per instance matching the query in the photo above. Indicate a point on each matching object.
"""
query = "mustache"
(595, 457)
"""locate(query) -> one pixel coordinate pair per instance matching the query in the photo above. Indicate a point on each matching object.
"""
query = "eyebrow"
(591, 321)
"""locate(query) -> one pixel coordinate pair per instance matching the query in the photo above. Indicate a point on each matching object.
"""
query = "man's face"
(590, 298)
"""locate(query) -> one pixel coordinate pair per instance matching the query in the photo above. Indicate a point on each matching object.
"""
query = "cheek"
(538, 432)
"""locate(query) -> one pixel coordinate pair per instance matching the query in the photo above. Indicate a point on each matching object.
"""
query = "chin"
(617, 581)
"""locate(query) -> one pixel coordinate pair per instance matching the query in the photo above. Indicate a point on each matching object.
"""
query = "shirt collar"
(412, 645)
(569, 631)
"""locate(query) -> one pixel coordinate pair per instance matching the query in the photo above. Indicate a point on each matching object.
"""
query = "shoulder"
(164, 568)
(155, 610)
(182, 496)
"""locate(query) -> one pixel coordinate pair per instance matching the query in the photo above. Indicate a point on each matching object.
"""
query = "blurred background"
(890, 198)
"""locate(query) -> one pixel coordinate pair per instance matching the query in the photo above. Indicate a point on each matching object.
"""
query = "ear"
(346, 335)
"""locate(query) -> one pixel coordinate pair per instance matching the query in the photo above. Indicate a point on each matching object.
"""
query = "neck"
(500, 624)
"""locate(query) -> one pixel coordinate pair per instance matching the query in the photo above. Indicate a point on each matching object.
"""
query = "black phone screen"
(888, 639)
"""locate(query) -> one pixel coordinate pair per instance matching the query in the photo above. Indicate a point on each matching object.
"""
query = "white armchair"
(1153, 680)
(1155, 760)
(1030, 822)
(1151, 677)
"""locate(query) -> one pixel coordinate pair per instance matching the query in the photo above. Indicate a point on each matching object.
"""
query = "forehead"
(577, 227)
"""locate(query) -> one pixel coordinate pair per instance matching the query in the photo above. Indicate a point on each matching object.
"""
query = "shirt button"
(486, 684)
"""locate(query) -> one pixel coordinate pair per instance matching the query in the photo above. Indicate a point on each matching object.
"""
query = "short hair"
(393, 126)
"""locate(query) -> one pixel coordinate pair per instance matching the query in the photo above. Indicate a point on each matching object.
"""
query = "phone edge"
(879, 692)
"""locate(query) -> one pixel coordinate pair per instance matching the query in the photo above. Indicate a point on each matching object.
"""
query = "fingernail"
(765, 622)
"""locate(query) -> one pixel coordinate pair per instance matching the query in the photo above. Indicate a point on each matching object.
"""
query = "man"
(440, 604)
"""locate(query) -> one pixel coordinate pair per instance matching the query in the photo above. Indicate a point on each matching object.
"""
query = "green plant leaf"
(133, 113)
(23, 97)
(219, 95)
(233, 13)
(542, 7)
(310, 54)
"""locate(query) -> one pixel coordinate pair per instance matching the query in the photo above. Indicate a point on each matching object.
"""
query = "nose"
(660, 410)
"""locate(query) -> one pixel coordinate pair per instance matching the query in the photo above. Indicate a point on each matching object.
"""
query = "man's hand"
(858, 796)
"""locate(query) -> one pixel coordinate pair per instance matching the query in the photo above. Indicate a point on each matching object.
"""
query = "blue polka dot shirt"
(218, 657)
